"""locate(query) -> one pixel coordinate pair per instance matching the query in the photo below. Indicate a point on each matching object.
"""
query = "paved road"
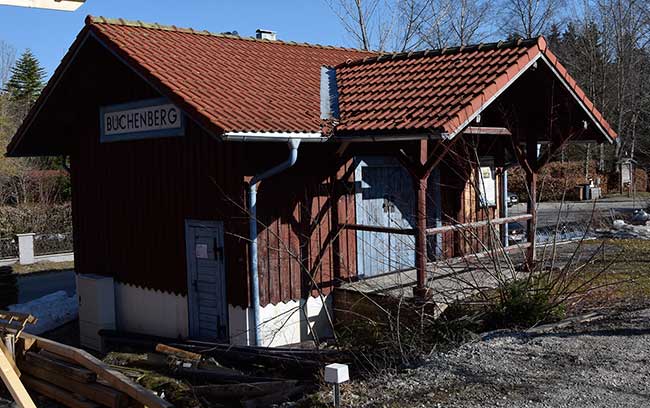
(579, 211)
(36, 285)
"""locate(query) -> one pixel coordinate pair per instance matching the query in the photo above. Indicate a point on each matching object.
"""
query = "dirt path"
(599, 364)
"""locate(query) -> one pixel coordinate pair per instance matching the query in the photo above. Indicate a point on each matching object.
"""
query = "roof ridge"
(519, 42)
(93, 20)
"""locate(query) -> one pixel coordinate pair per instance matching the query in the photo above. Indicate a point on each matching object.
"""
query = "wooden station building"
(226, 184)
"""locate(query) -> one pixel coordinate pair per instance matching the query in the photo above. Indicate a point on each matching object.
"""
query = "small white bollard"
(337, 374)
(26, 248)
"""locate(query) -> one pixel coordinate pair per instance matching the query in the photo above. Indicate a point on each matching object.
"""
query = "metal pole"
(337, 395)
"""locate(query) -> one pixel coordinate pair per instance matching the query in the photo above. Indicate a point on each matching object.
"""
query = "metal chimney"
(261, 34)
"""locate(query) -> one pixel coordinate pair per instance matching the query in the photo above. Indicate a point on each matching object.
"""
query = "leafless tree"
(383, 25)
(7, 58)
(460, 22)
(530, 18)
(626, 25)
(369, 22)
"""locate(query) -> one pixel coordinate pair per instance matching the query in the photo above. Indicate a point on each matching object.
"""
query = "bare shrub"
(51, 219)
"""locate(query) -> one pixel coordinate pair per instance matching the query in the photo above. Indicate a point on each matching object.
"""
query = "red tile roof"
(234, 83)
(438, 91)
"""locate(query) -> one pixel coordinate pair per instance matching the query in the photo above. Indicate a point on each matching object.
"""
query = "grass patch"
(625, 283)
(639, 194)
(42, 267)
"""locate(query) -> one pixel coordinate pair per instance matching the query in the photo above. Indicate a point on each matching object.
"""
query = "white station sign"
(151, 118)
(62, 5)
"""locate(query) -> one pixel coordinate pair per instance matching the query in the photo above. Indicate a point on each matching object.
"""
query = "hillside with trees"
(34, 192)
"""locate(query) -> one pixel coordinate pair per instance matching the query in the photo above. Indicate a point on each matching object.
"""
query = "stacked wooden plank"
(235, 375)
(67, 382)
(75, 378)
(70, 376)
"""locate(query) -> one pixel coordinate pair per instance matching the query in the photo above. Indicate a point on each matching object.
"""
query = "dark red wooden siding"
(301, 250)
(131, 199)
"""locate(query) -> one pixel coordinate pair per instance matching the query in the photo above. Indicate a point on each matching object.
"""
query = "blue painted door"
(384, 197)
(208, 307)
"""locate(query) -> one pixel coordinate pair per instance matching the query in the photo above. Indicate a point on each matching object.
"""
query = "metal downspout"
(252, 208)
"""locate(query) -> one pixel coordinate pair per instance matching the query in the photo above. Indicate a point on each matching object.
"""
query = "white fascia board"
(396, 137)
(512, 80)
(61, 5)
(577, 99)
(273, 137)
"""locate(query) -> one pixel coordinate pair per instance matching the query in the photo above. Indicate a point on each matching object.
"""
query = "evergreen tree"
(26, 81)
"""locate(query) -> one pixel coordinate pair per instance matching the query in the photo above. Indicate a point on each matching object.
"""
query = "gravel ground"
(598, 364)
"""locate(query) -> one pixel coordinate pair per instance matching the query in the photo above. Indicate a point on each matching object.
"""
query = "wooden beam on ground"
(59, 367)
(13, 383)
(114, 378)
(57, 394)
(478, 224)
(176, 352)
(98, 393)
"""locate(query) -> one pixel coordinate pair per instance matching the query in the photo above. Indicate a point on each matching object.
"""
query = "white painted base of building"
(150, 312)
(283, 324)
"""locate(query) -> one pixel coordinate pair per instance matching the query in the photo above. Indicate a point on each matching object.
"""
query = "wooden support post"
(531, 179)
(420, 182)
(421, 257)
(420, 169)
(532, 157)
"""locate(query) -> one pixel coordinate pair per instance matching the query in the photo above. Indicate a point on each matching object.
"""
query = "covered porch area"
(450, 124)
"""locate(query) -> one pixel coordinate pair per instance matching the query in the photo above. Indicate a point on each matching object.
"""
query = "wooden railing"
(437, 230)
(373, 228)
(478, 224)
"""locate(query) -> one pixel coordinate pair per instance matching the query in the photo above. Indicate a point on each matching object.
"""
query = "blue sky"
(50, 33)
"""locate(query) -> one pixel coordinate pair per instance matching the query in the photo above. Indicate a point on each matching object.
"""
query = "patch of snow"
(53, 310)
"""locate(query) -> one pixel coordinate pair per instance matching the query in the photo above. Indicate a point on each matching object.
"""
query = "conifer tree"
(26, 81)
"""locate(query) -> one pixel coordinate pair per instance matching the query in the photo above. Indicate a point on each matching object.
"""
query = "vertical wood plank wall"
(301, 250)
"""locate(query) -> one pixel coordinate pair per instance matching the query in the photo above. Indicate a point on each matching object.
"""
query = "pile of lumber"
(65, 374)
(233, 375)
(75, 378)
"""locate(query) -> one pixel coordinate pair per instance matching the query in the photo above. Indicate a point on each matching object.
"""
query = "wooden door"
(206, 273)
(384, 197)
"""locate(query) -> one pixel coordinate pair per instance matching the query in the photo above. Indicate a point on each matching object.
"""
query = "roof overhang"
(541, 57)
(60, 5)
(273, 137)
(472, 118)
(449, 125)
(387, 136)
(579, 100)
